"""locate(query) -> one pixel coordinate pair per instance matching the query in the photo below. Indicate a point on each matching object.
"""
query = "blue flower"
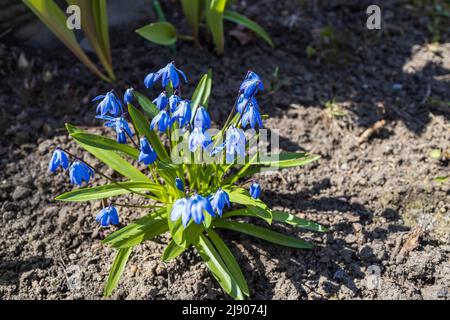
(196, 206)
(255, 190)
(244, 103)
(202, 119)
(179, 184)
(109, 104)
(147, 154)
(128, 97)
(166, 74)
(121, 126)
(162, 119)
(179, 208)
(251, 85)
(198, 138)
(59, 158)
(183, 113)
(234, 143)
(252, 116)
(79, 171)
(161, 101)
(107, 216)
(173, 102)
(219, 200)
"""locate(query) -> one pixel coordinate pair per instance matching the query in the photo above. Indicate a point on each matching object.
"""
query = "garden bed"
(377, 195)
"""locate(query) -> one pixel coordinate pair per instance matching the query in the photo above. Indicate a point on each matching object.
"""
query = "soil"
(389, 219)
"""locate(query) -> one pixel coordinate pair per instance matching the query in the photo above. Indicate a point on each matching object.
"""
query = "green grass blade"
(246, 22)
(116, 270)
(262, 233)
(230, 261)
(101, 142)
(295, 221)
(214, 19)
(191, 10)
(146, 104)
(241, 196)
(172, 251)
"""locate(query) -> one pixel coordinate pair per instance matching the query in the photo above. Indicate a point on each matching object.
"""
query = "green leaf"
(262, 233)
(55, 19)
(441, 179)
(191, 10)
(259, 208)
(288, 218)
(198, 95)
(109, 190)
(143, 127)
(246, 22)
(289, 159)
(230, 261)
(182, 236)
(101, 142)
(116, 270)
(141, 230)
(214, 19)
(172, 251)
(218, 268)
(162, 33)
(207, 92)
(111, 159)
(146, 104)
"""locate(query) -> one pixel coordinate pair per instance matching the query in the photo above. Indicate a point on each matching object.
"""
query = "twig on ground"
(365, 136)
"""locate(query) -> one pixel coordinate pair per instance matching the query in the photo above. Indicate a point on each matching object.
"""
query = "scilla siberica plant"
(190, 199)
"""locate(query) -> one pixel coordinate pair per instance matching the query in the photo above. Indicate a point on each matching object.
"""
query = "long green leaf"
(101, 142)
(139, 231)
(241, 196)
(191, 10)
(172, 251)
(214, 19)
(198, 95)
(109, 190)
(246, 22)
(262, 233)
(116, 270)
(295, 221)
(146, 104)
(229, 260)
(143, 127)
(111, 159)
(55, 19)
(163, 33)
(218, 268)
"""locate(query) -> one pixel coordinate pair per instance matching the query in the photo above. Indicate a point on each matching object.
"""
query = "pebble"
(20, 193)
(351, 238)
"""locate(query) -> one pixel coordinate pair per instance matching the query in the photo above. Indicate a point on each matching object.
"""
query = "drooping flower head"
(161, 101)
(173, 102)
(147, 154)
(202, 119)
(251, 116)
(179, 184)
(109, 104)
(255, 190)
(244, 103)
(219, 200)
(128, 97)
(107, 216)
(59, 158)
(182, 114)
(79, 171)
(197, 205)
(234, 144)
(161, 120)
(179, 209)
(251, 84)
(120, 125)
(166, 74)
(197, 138)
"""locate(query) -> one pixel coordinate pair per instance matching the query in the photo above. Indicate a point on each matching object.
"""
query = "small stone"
(351, 238)
(357, 227)
(20, 193)
(72, 256)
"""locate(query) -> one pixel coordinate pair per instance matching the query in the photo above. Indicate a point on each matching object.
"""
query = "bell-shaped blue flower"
(244, 103)
(107, 216)
(251, 116)
(179, 184)
(251, 84)
(219, 200)
(109, 104)
(235, 144)
(179, 209)
(128, 97)
(161, 101)
(166, 74)
(147, 154)
(255, 190)
(120, 125)
(182, 114)
(162, 120)
(202, 119)
(197, 138)
(196, 206)
(59, 158)
(79, 171)
(174, 100)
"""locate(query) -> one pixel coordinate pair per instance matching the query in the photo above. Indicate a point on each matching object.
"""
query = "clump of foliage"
(192, 177)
